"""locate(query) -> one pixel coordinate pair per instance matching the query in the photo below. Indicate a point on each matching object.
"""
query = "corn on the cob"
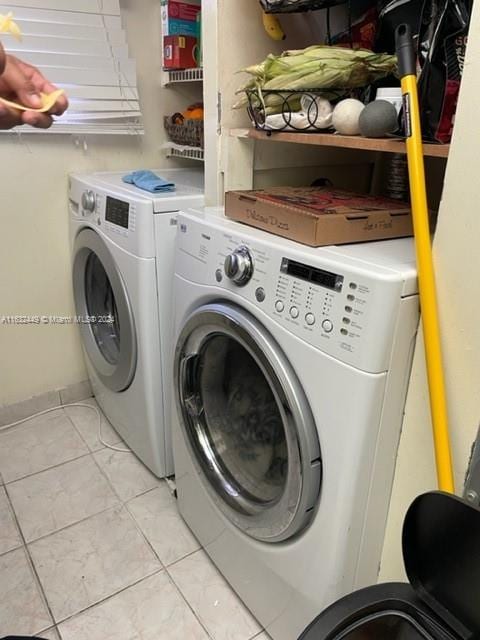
(317, 67)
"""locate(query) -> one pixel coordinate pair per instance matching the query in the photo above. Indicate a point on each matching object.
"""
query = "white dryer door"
(247, 423)
(105, 315)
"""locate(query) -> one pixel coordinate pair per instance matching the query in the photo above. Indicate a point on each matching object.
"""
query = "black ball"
(378, 119)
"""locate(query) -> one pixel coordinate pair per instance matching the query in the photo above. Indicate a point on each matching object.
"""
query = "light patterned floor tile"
(262, 636)
(22, 610)
(86, 421)
(50, 634)
(219, 609)
(128, 476)
(41, 443)
(150, 610)
(91, 560)
(9, 534)
(157, 516)
(58, 497)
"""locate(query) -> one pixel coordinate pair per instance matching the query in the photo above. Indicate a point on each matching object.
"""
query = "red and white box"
(179, 52)
(183, 10)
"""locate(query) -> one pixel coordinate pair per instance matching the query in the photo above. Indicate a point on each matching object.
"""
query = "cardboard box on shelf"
(183, 10)
(180, 52)
(320, 216)
(180, 18)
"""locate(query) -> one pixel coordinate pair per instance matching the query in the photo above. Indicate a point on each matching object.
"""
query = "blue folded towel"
(149, 181)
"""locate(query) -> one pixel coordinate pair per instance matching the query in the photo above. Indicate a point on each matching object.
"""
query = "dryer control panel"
(332, 299)
(128, 223)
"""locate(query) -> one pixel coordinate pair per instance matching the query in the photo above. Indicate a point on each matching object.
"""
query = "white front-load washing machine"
(291, 367)
(122, 243)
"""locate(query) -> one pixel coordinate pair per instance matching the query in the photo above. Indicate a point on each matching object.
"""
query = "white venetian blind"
(80, 46)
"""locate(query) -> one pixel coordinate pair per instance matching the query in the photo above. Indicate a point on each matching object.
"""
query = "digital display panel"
(117, 212)
(312, 274)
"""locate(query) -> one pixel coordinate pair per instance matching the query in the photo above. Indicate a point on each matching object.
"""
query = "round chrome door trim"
(116, 377)
(291, 512)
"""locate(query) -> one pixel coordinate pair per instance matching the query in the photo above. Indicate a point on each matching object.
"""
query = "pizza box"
(319, 216)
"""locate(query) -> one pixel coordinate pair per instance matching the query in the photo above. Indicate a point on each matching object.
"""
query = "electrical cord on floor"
(62, 406)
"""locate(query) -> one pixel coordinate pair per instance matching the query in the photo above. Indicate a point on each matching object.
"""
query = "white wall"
(457, 262)
(34, 249)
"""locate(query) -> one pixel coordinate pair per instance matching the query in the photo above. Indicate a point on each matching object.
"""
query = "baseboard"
(25, 408)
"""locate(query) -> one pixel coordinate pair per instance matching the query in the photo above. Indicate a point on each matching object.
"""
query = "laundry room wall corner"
(457, 263)
(35, 270)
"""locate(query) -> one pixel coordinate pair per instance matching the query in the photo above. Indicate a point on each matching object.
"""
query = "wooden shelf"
(388, 145)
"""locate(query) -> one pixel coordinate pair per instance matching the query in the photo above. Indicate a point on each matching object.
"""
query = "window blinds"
(80, 46)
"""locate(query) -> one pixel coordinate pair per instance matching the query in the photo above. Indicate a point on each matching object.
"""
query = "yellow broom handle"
(426, 276)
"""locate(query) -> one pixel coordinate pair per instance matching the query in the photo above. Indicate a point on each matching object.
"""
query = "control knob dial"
(88, 201)
(239, 266)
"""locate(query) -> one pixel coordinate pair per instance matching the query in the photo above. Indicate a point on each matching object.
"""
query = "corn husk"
(317, 67)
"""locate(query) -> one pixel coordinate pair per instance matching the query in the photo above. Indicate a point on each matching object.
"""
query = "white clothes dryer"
(291, 368)
(123, 248)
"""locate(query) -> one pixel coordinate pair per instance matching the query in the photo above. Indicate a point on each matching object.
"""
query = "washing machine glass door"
(102, 304)
(247, 423)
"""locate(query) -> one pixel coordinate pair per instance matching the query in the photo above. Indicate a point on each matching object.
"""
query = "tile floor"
(92, 546)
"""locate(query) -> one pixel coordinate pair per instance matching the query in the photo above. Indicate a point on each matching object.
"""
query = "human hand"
(22, 82)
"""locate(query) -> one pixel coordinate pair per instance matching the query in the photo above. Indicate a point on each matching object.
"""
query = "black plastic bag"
(295, 6)
(442, 43)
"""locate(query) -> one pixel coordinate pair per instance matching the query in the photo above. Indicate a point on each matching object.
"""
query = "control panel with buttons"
(118, 214)
(336, 303)
(333, 311)
(326, 308)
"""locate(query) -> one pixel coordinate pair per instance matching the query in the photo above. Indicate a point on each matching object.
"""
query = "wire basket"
(282, 110)
(190, 133)
(297, 6)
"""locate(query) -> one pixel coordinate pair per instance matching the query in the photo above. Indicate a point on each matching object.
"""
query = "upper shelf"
(387, 145)
(184, 75)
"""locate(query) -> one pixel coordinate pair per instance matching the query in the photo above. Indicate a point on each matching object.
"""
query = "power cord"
(62, 406)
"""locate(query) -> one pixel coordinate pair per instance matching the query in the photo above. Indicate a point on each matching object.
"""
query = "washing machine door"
(247, 423)
(105, 315)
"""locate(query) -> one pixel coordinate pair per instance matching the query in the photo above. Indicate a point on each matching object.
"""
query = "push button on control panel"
(260, 294)
(279, 306)
(310, 319)
(327, 326)
(294, 312)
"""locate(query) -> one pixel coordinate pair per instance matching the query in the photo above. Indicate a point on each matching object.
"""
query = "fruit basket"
(186, 128)
(190, 133)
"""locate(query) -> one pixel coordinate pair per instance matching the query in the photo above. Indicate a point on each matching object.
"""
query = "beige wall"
(34, 246)
(457, 261)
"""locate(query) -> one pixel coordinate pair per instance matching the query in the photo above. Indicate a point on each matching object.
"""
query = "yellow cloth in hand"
(48, 100)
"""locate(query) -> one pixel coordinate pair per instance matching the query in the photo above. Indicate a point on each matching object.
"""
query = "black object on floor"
(441, 552)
